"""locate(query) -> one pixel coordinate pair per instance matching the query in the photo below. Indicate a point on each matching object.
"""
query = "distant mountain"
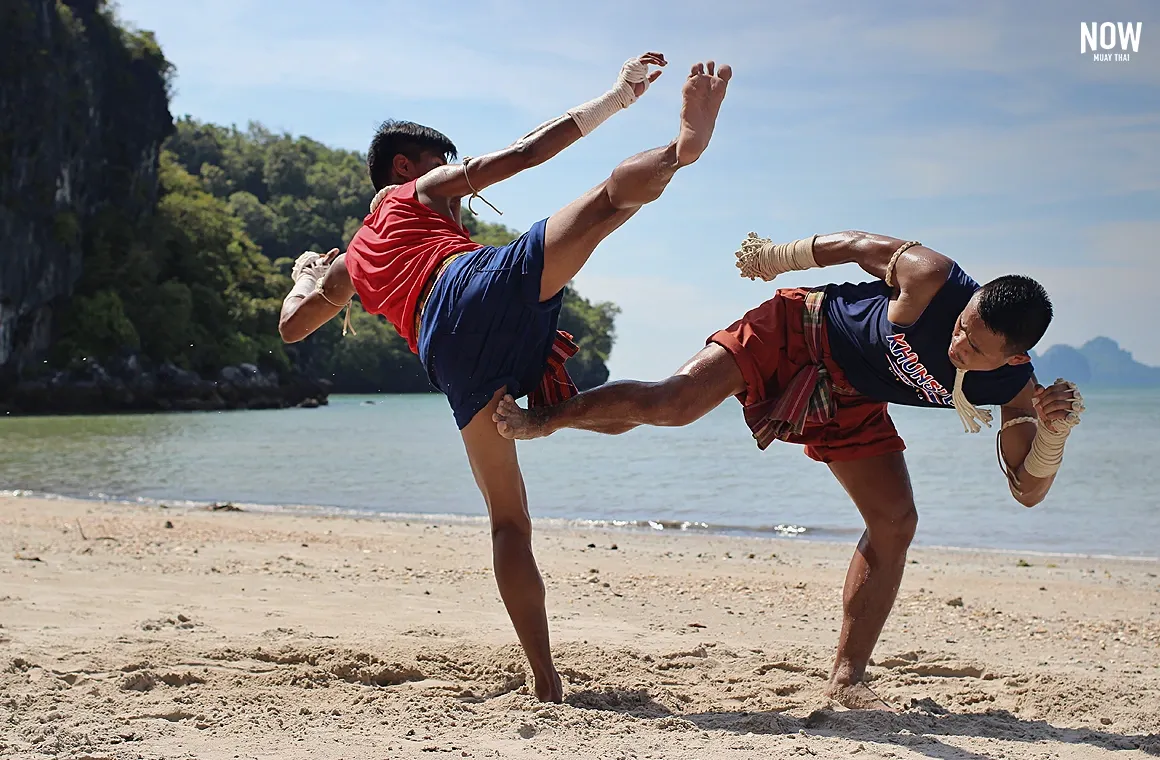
(1099, 363)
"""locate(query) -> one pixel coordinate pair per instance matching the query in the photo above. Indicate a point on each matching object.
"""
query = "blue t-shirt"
(909, 364)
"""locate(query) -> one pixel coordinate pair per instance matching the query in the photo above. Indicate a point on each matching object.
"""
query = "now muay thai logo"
(1102, 40)
(907, 367)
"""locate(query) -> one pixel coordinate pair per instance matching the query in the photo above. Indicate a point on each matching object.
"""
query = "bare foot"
(857, 696)
(550, 688)
(518, 424)
(701, 101)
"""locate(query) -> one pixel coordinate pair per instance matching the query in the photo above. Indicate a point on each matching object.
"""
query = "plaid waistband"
(808, 397)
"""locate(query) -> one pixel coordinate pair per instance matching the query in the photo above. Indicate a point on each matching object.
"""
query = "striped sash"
(807, 398)
(556, 386)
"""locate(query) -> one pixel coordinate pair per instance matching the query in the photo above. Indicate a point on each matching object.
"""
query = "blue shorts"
(484, 328)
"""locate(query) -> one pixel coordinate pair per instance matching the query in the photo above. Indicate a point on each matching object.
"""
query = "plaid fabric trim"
(808, 398)
(556, 386)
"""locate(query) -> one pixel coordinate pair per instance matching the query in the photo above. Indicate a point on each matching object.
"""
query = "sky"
(979, 129)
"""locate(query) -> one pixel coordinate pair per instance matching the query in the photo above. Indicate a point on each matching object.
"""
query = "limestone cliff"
(83, 113)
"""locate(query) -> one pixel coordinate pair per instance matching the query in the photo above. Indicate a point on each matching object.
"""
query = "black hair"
(408, 138)
(1016, 307)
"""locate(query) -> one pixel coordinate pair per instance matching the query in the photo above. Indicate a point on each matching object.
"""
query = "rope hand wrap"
(761, 258)
(588, 116)
(308, 275)
(310, 265)
(1046, 453)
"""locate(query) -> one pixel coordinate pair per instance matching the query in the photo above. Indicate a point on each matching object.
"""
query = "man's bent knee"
(890, 535)
(512, 529)
(643, 178)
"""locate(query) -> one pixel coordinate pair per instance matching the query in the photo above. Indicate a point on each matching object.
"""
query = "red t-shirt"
(393, 254)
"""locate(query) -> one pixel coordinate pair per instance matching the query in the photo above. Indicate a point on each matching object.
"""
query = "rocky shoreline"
(131, 385)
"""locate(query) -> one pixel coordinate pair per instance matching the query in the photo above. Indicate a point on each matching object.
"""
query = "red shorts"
(769, 346)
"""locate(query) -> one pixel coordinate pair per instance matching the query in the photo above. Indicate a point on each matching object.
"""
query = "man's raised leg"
(574, 232)
(497, 473)
(880, 488)
(696, 389)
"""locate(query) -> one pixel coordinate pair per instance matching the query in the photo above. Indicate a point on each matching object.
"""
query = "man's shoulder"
(958, 279)
(950, 287)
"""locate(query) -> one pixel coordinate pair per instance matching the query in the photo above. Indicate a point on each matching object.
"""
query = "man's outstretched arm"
(914, 271)
(873, 253)
(1036, 424)
(544, 142)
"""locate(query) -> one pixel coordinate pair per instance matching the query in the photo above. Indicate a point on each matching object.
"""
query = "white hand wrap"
(307, 274)
(592, 114)
(760, 257)
(304, 285)
(1046, 453)
(309, 262)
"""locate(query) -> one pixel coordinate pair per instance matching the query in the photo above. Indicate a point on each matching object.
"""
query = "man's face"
(975, 347)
